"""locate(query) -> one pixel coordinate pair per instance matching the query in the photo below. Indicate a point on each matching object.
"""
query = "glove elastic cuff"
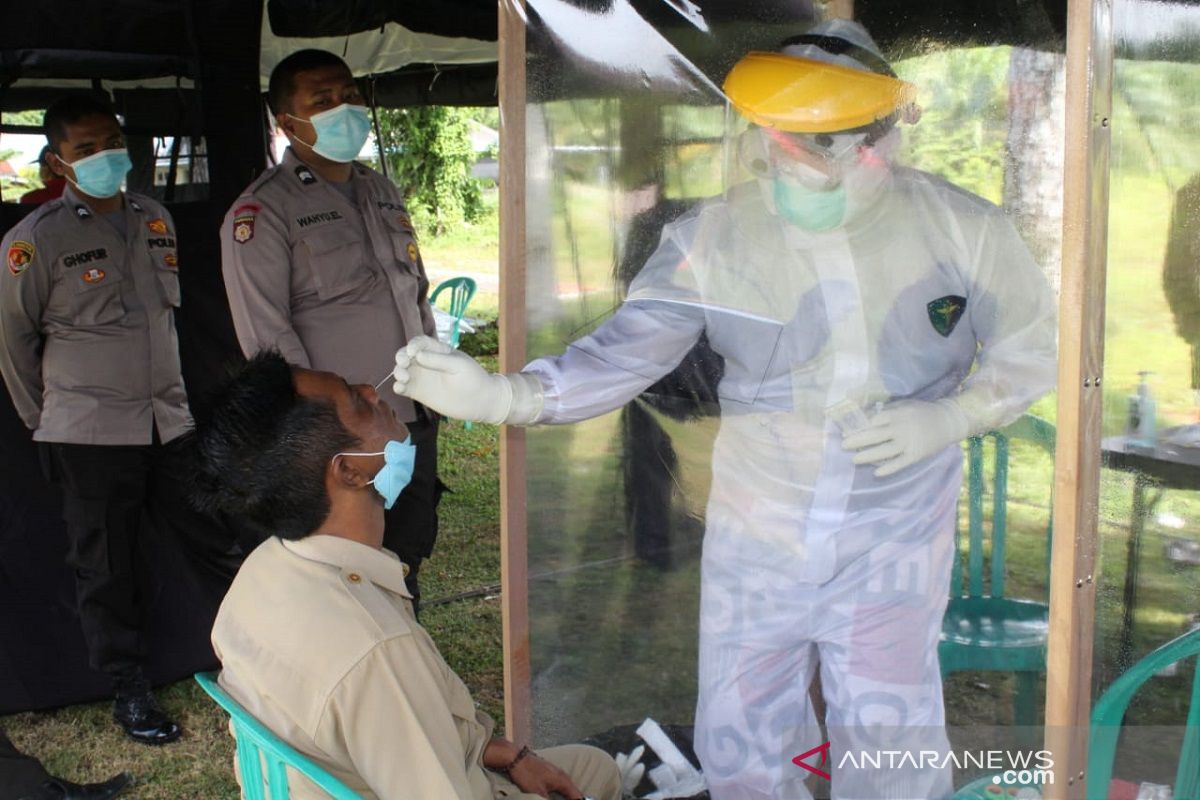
(528, 398)
(958, 424)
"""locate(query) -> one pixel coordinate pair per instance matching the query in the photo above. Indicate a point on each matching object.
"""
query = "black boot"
(58, 789)
(142, 719)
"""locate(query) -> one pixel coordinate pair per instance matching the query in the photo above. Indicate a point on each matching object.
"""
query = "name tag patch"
(85, 257)
(319, 217)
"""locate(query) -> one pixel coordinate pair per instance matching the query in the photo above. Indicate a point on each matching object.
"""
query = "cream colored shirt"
(318, 641)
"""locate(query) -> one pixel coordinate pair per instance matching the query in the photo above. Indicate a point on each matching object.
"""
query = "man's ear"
(346, 474)
(56, 164)
(285, 123)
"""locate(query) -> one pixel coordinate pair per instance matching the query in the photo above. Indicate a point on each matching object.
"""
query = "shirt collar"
(382, 567)
(292, 164)
(72, 199)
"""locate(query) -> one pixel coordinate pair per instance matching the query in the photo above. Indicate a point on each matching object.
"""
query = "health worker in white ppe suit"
(870, 317)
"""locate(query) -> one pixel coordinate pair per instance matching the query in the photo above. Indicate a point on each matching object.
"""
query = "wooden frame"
(1080, 398)
(514, 561)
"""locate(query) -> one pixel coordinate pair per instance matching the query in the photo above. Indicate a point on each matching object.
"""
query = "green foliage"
(32, 117)
(964, 125)
(485, 341)
(429, 153)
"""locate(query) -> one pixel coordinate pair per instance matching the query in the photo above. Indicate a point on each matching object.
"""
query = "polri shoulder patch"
(158, 225)
(945, 312)
(20, 255)
(243, 222)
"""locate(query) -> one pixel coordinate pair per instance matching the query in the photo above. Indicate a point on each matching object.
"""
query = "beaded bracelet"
(507, 769)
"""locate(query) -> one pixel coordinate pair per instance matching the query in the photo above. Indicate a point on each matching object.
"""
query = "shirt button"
(354, 577)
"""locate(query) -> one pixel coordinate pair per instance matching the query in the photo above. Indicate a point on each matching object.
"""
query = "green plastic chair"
(983, 629)
(256, 744)
(1110, 709)
(462, 289)
(1107, 714)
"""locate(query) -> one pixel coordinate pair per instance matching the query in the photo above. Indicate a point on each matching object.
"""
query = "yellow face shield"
(800, 95)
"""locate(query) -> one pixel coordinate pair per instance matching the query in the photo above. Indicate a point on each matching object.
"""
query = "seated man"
(317, 637)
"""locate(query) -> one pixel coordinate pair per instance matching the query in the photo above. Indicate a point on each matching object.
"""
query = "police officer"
(321, 263)
(89, 353)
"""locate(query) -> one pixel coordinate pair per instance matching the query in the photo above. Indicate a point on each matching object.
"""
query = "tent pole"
(1080, 397)
(514, 563)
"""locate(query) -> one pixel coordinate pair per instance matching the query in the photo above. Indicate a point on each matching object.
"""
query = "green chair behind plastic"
(1110, 710)
(983, 629)
(1107, 714)
(462, 289)
(256, 745)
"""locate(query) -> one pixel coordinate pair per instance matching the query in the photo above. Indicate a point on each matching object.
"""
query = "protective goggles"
(801, 95)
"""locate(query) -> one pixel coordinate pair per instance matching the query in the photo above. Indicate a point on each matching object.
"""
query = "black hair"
(262, 450)
(282, 84)
(68, 110)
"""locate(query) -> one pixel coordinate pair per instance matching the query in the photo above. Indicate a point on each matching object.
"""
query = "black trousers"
(411, 525)
(107, 491)
(19, 774)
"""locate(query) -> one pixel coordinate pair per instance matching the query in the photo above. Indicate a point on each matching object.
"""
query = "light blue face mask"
(341, 132)
(398, 461)
(810, 209)
(101, 174)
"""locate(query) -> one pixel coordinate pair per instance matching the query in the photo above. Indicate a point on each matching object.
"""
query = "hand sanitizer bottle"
(1143, 414)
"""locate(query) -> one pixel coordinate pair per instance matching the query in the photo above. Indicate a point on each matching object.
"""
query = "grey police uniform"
(89, 349)
(337, 284)
(334, 285)
(89, 353)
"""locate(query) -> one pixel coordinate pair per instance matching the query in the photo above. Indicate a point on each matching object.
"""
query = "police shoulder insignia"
(413, 253)
(945, 312)
(305, 175)
(20, 254)
(171, 260)
(135, 205)
(243, 223)
(158, 226)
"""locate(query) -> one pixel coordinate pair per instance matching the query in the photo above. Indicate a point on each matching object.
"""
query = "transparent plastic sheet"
(712, 358)
(1147, 593)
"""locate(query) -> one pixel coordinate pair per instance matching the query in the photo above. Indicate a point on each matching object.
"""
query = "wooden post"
(1080, 406)
(514, 562)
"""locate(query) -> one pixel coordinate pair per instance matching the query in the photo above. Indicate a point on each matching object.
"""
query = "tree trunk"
(1034, 154)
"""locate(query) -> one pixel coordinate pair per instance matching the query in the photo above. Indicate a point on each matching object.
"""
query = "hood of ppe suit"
(845, 29)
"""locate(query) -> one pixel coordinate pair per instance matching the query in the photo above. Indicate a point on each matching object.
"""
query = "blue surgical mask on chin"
(341, 132)
(101, 174)
(399, 459)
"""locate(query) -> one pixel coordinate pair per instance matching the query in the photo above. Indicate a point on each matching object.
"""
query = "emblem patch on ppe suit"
(945, 312)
